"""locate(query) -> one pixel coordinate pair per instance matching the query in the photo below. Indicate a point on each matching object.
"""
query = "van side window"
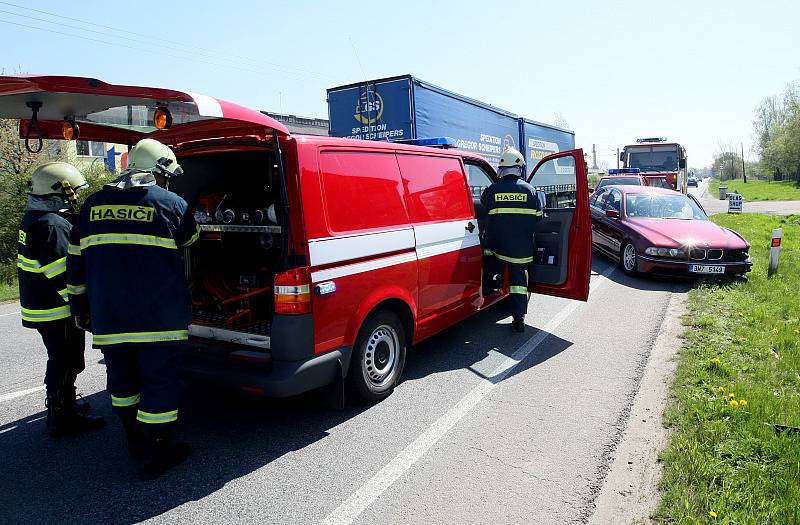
(436, 188)
(361, 190)
(479, 180)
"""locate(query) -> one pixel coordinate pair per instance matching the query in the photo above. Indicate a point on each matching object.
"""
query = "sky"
(691, 71)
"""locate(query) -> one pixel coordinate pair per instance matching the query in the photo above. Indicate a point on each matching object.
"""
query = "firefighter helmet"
(151, 156)
(57, 178)
(512, 158)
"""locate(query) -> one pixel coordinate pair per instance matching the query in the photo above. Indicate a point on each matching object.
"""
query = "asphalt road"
(488, 426)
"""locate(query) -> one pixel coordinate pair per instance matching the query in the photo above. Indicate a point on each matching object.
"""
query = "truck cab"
(320, 259)
(660, 163)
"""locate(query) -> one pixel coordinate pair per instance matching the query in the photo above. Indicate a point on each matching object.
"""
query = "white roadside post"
(775, 251)
(735, 203)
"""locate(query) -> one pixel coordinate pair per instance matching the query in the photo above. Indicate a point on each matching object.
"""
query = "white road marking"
(20, 393)
(10, 313)
(370, 491)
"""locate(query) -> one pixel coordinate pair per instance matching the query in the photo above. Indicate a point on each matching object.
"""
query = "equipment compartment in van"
(230, 269)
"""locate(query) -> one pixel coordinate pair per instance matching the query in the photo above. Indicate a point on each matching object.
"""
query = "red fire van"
(321, 258)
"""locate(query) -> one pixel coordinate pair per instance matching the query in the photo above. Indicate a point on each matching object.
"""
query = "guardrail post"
(775, 251)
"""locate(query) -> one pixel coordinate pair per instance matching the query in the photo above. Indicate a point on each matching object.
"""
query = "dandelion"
(734, 403)
(715, 360)
(712, 514)
(721, 390)
(731, 395)
(743, 402)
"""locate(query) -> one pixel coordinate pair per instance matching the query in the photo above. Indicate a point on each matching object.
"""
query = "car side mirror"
(542, 196)
(682, 163)
(612, 214)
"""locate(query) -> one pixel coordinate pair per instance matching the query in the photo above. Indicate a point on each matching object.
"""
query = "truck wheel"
(378, 357)
(627, 258)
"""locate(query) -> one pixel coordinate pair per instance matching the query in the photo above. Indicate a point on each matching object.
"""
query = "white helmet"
(512, 158)
(57, 178)
(151, 156)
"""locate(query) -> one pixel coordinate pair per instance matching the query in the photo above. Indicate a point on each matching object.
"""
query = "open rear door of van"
(124, 114)
(563, 261)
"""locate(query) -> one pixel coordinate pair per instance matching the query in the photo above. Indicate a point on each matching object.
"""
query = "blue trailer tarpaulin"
(408, 108)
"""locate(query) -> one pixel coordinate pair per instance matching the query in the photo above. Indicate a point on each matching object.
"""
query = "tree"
(777, 129)
(559, 121)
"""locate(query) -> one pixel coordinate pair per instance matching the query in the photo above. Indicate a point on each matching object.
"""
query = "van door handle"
(470, 227)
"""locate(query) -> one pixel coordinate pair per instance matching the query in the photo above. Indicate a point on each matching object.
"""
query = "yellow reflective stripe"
(193, 238)
(515, 260)
(74, 250)
(28, 265)
(55, 268)
(125, 401)
(141, 337)
(519, 289)
(158, 417)
(515, 211)
(41, 316)
(127, 238)
(76, 289)
(63, 294)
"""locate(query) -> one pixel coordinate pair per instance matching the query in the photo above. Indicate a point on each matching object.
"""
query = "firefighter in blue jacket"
(41, 267)
(127, 286)
(513, 209)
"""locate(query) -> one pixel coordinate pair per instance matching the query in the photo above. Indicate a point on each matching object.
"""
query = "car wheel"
(378, 357)
(627, 259)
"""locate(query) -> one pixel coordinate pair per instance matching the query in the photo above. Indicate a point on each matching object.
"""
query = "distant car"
(654, 230)
(692, 181)
(628, 179)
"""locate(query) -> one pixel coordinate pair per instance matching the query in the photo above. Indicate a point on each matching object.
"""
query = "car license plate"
(702, 268)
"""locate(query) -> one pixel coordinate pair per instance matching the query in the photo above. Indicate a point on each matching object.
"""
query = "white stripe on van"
(340, 249)
(207, 106)
(445, 237)
(366, 266)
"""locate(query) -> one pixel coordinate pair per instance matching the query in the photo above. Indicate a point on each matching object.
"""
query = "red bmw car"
(654, 230)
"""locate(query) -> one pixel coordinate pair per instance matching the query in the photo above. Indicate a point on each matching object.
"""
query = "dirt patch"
(630, 490)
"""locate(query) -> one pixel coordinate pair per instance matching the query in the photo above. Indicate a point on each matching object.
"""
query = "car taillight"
(293, 292)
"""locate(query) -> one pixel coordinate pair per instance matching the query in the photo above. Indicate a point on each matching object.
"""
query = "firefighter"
(41, 265)
(126, 270)
(513, 209)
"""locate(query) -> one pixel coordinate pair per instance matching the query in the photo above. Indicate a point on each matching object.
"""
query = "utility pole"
(744, 173)
(617, 158)
(594, 157)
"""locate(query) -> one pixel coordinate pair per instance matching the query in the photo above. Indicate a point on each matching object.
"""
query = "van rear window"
(437, 189)
(361, 190)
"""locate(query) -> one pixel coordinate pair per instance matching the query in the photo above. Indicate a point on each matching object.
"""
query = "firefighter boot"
(163, 454)
(134, 433)
(518, 323)
(65, 419)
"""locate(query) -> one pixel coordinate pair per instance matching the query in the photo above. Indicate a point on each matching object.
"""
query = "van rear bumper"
(275, 379)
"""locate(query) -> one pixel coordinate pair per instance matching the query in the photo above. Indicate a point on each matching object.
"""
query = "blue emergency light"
(434, 142)
(615, 171)
(652, 139)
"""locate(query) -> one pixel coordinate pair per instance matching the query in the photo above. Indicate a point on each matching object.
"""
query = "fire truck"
(660, 163)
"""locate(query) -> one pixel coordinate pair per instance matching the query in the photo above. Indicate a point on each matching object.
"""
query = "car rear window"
(361, 190)
(436, 186)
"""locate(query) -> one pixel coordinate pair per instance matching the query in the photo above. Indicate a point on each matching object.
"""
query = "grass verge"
(8, 292)
(759, 190)
(738, 374)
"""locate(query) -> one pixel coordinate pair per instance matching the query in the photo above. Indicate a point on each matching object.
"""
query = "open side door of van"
(563, 261)
(124, 114)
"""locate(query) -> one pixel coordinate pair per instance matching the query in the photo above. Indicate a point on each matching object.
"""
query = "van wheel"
(627, 258)
(378, 357)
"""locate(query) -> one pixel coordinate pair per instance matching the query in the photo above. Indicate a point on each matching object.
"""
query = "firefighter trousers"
(65, 346)
(144, 376)
(517, 281)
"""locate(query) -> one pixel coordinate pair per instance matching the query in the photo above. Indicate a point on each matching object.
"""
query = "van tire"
(378, 357)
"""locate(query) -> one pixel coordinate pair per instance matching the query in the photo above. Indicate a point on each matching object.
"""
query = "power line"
(151, 51)
(141, 40)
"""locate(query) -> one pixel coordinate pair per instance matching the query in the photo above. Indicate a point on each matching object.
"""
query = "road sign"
(735, 203)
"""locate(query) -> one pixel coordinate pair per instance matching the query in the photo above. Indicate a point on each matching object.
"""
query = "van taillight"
(293, 292)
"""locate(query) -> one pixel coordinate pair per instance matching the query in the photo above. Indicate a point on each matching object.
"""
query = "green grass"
(742, 343)
(758, 190)
(8, 292)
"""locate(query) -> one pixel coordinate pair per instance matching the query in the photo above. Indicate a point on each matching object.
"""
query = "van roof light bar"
(651, 139)
(615, 171)
(433, 142)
